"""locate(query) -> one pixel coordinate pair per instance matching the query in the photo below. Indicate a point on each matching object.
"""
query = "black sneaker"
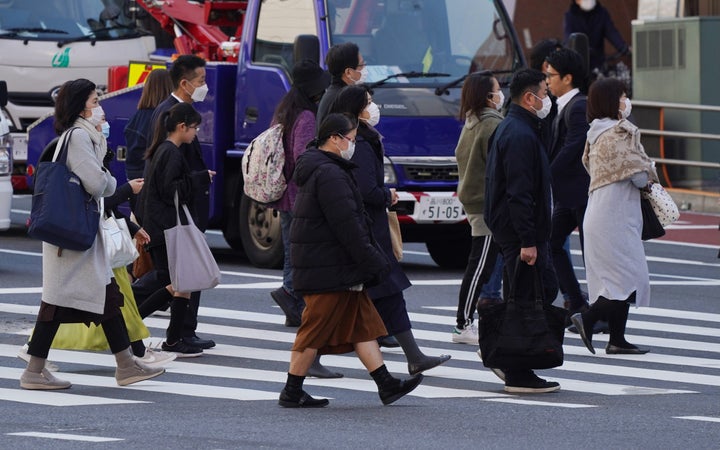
(182, 350)
(531, 385)
(304, 400)
(400, 389)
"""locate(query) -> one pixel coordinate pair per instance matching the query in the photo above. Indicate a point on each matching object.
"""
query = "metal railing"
(678, 134)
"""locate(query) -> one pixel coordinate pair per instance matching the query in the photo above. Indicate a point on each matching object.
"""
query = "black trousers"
(44, 334)
(479, 269)
(564, 221)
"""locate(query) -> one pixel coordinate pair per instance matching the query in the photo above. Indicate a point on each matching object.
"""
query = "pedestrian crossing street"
(251, 359)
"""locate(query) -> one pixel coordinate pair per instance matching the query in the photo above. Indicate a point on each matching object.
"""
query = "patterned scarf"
(615, 154)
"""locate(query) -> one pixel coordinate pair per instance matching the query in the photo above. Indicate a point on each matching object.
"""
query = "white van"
(6, 189)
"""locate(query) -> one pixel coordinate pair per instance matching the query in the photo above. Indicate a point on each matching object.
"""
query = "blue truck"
(418, 53)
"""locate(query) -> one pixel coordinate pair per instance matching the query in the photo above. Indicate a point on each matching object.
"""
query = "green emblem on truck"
(61, 59)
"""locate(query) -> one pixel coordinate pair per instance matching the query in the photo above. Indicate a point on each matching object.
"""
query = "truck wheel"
(260, 234)
(449, 254)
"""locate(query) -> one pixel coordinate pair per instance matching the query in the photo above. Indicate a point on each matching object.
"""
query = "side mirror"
(3, 94)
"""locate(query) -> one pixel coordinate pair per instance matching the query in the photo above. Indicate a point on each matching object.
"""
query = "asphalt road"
(227, 399)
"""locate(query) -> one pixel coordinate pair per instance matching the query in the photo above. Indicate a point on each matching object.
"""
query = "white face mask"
(501, 100)
(105, 129)
(199, 93)
(363, 75)
(97, 116)
(545, 110)
(374, 111)
(624, 114)
(348, 152)
(587, 5)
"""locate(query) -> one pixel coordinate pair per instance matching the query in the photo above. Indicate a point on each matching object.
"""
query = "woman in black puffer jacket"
(334, 259)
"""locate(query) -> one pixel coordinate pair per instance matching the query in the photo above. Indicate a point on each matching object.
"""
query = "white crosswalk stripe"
(244, 336)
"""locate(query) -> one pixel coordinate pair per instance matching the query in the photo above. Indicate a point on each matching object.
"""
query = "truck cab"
(6, 162)
(44, 43)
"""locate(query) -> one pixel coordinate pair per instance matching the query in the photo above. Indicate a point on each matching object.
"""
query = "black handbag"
(62, 213)
(522, 334)
(652, 228)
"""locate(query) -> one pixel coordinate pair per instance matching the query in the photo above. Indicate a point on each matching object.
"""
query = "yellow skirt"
(78, 336)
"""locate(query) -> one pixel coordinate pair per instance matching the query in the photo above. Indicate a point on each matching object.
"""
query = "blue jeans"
(491, 289)
(286, 219)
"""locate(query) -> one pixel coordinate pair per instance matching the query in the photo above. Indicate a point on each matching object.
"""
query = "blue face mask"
(105, 126)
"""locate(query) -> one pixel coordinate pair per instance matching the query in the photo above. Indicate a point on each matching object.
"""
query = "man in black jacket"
(346, 67)
(188, 77)
(518, 204)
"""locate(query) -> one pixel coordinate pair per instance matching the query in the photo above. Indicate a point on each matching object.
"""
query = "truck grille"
(431, 173)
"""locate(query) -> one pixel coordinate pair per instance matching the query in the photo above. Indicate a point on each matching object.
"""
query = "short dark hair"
(542, 50)
(475, 93)
(183, 67)
(567, 61)
(604, 99)
(70, 102)
(524, 80)
(334, 124)
(351, 99)
(341, 56)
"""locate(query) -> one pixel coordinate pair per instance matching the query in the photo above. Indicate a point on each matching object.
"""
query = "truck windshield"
(448, 38)
(64, 20)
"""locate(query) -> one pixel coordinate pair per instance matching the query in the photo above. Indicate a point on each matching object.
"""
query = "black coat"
(138, 134)
(166, 173)
(517, 182)
(376, 197)
(121, 195)
(200, 203)
(332, 246)
(598, 26)
(327, 100)
(570, 180)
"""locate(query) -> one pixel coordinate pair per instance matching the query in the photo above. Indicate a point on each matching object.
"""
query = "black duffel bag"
(522, 334)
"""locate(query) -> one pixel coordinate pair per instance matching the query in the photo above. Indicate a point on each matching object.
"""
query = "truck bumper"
(426, 216)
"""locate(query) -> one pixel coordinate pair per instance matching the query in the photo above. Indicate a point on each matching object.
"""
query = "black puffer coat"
(332, 246)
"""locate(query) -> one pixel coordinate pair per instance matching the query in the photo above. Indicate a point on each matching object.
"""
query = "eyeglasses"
(345, 137)
(196, 128)
(551, 74)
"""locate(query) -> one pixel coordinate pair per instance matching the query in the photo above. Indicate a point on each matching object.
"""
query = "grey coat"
(78, 279)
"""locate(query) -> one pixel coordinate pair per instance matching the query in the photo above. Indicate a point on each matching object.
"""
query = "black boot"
(584, 322)
(293, 396)
(617, 321)
(390, 388)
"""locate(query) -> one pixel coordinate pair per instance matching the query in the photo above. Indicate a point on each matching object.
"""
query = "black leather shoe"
(426, 364)
(388, 341)
(615, 350)
(303, 401)
(577, 320)
(197, 342)
(400, 389)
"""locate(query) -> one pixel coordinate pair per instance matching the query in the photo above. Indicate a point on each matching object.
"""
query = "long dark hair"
(604, 99)
(475, 93)
(70, 102)
(168, 122)
(158, 85)
(353, 100)
(290, 107)
(332, 125)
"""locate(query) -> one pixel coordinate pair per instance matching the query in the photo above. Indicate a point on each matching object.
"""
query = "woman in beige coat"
(78, 285)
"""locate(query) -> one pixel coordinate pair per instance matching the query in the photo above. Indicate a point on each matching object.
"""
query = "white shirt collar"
(565, 98)
(177, 98)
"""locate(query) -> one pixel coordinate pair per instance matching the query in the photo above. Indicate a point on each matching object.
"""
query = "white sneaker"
(23, 354)
(157, 358)
(468, 335)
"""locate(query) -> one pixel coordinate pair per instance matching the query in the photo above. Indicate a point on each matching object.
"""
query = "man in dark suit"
(188, 77)
(566, 81)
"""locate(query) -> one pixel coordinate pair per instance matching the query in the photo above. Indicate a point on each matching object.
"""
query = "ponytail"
(168, 122)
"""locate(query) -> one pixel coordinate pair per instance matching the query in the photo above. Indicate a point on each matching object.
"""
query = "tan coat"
(78, 279)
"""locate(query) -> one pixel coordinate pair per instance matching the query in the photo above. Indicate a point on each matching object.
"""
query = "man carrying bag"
(518, 207)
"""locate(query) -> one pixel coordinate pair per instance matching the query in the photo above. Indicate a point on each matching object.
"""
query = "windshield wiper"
(37, 30)
(93, 34)
(408, 75)
(445, 89)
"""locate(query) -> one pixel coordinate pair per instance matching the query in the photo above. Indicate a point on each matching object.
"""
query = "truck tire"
(260, 234)
(450, 254)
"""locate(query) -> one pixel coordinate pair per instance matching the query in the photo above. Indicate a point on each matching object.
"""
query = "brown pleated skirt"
(332, 322)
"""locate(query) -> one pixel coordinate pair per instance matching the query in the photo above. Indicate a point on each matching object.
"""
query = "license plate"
(440, 208)
(20, 151)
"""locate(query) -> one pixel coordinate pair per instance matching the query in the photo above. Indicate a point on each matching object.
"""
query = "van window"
(280, 21)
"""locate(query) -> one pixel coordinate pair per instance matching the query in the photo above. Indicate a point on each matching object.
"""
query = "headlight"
(5, 155)
(389, 171)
